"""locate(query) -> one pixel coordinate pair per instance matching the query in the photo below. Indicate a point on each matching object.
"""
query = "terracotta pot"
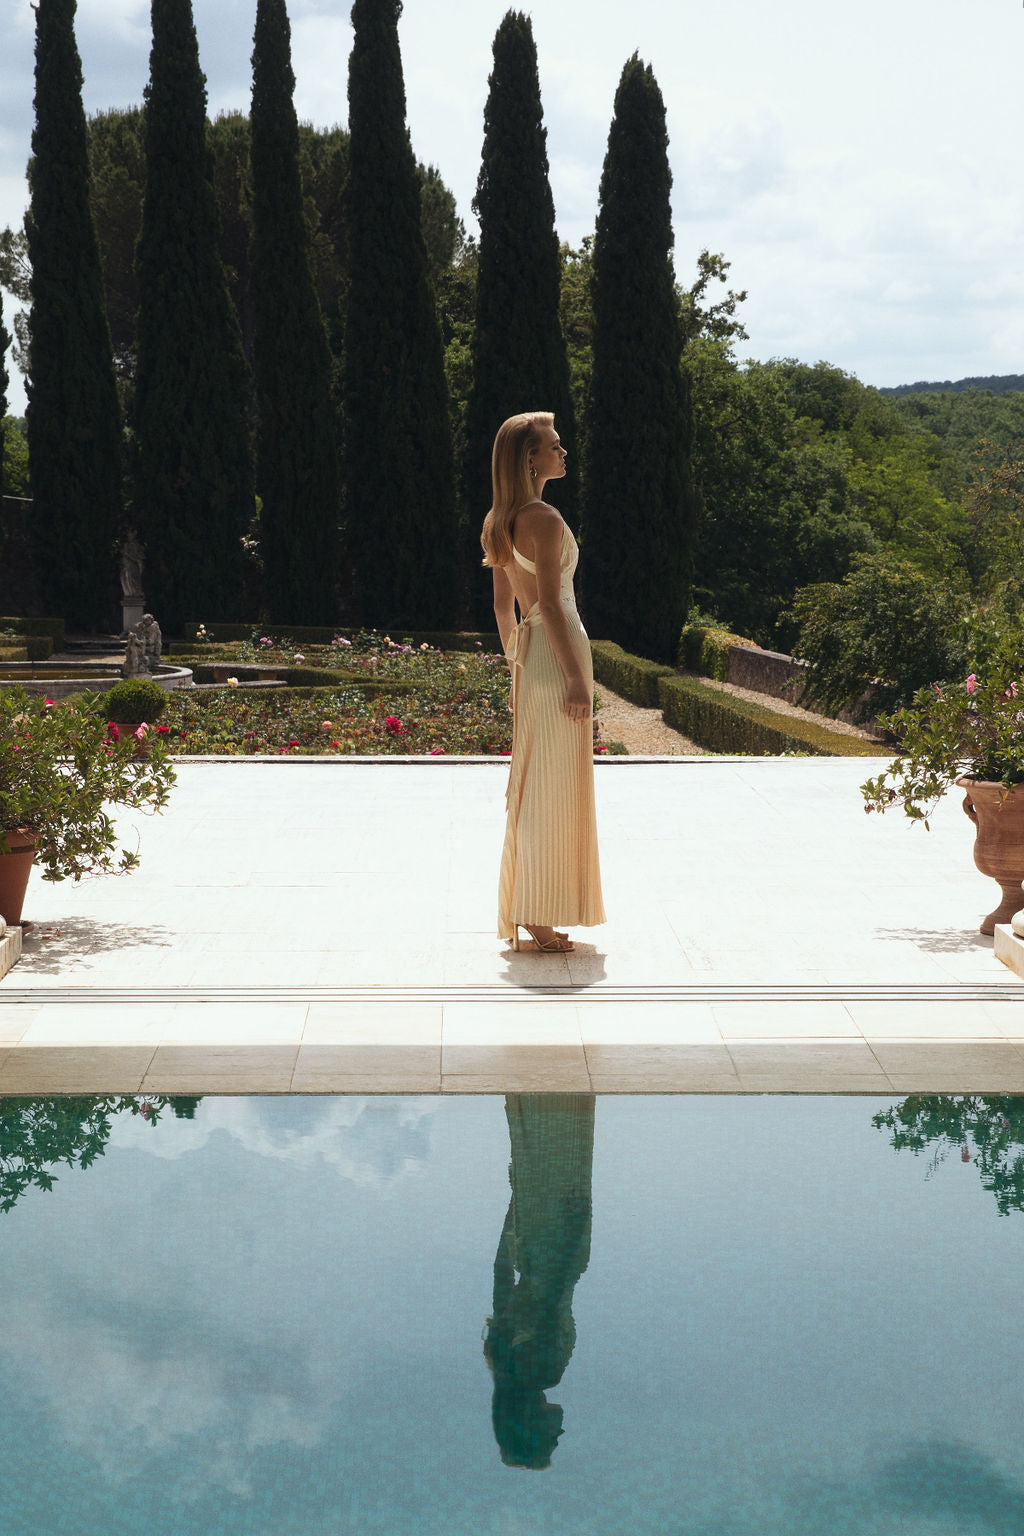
(127, 729)
(15, 868)
(998, 815)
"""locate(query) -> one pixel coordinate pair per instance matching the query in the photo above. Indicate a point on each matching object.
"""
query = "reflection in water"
(984, 1129)
(38, 1134)
(546, 1243)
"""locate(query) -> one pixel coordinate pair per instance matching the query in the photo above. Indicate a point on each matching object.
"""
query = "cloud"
(321, 44)
(210, 1398)
(370, 1141)
(125, 19)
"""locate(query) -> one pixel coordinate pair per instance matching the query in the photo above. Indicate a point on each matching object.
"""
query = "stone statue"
(143, 648)
(152, 641)
(134, 656)
(131, 566)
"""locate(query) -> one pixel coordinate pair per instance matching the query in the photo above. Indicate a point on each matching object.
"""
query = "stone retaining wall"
(779, 676)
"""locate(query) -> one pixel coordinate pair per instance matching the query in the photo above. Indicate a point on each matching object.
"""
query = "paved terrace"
(314, 925)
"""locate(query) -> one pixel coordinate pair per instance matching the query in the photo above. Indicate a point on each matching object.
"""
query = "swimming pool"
(707, 1316)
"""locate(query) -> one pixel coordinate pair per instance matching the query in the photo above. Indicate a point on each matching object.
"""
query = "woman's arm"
(544, 525)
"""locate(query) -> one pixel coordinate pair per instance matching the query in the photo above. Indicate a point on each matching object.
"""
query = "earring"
(533, 473)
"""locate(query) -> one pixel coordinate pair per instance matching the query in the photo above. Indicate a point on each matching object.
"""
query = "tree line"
(274, 353)
(310, 357)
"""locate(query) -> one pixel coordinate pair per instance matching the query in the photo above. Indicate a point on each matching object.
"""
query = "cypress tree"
(193, 476)
(297, 458)
(638, 524)
(519, 354)
(74, 430)
(400, 499)
(5, 379)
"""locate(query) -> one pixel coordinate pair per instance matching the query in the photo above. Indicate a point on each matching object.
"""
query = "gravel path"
(640, 730)
(643, 731)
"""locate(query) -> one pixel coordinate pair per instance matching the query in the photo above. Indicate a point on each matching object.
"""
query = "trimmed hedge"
(13, 653)
(309, 634)
(632, 676)
(723, 723)
(53, 629)
(133, 700)
(706, 650)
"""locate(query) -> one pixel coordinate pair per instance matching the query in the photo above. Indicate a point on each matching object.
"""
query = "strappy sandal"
(561, 944)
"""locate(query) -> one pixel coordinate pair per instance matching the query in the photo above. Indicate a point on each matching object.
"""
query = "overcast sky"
(859, 165)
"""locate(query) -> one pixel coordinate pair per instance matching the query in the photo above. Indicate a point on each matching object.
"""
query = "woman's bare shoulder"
(537, 519)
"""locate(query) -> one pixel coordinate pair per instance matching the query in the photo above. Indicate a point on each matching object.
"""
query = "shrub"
(133, 701)
(51, 631)
(888, 627)
(723, 723)
(704, 648)
(632, 676)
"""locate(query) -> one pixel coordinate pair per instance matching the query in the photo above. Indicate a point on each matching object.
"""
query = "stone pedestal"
(10, 946)
(132, 609)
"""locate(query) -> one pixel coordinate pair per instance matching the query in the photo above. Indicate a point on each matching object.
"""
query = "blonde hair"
(510, 479)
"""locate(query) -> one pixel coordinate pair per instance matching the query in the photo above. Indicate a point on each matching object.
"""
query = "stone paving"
(327, 926)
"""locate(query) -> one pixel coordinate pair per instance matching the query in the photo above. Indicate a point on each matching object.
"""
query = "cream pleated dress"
(549, 865)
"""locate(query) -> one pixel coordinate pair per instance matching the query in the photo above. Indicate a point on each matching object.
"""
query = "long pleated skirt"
(550, 872)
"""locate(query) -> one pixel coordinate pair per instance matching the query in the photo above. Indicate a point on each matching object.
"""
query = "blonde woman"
(549, 865)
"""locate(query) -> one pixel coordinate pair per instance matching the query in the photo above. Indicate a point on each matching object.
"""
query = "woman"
(549, 866)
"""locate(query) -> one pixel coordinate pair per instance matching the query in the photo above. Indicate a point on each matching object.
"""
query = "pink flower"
(600, 747)
(972, 683)
(112, 731)
(140, 734)
(1011, 692)
(393, 725)
(437, 752)
(938, 690)
(49, 703)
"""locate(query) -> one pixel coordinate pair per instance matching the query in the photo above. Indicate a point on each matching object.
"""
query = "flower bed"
(403, 699)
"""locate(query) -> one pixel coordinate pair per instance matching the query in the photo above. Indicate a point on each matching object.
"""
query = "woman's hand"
(577, 702)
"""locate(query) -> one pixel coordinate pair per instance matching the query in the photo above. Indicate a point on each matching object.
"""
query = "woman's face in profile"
(548, 460)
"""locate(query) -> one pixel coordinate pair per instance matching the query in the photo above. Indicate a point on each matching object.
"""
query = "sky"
(859, 166)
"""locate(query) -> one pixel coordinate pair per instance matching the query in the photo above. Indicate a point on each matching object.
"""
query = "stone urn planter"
(15, 868)
(998, 816)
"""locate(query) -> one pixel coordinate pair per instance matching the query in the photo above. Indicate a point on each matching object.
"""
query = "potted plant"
(131, 704)
(60, 771)
(970, 734)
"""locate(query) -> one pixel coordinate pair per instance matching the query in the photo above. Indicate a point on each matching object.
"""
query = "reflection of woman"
(546, 1241)
(549, 867)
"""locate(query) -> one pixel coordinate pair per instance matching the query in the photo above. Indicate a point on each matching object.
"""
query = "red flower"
(162, 730)
(393, 725)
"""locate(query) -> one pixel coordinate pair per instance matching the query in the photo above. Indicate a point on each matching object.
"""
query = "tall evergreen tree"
(193, 478)
(519, 354)
(297, 461)
(74, 430)
(5, 379)
(401, 523)
(639, 517)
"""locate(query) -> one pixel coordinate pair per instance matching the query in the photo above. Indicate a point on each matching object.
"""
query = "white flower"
(298, 656)
(232, 682)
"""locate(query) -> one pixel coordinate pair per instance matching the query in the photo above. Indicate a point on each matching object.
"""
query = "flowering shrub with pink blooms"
(61, 770)
(973, 729)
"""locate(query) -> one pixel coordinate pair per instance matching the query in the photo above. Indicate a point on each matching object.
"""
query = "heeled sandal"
(561, 944)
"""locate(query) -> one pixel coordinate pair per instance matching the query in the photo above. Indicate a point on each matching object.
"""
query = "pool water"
(669, 1316)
